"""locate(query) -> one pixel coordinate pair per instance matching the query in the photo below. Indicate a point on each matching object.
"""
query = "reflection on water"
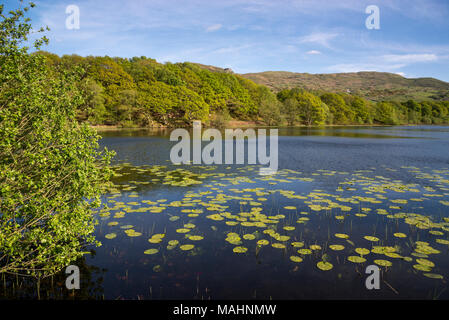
(53, 288)
(343, 199)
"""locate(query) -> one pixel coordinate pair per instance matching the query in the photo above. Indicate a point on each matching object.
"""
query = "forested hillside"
(376, 86)
(140, 92)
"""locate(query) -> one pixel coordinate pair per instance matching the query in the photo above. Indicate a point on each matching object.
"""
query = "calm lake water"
(343, 199)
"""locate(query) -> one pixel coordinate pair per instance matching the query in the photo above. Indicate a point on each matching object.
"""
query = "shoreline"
(253, 124)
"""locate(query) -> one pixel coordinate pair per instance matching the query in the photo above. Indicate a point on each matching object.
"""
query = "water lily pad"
(240, 249)
(151, 251)
(195, 238)
(132, 233)
(336, 247)
(442, 241)
(325, 266)
(433, 275)
(392, 255)
(304, 251)
(249, 236)
(295, 259)
(356, 259)
(110, 236)
(362, 251)
(383, 263)
(400, 235)
(425, 262)
(297, 244)
(422, 267)
(186, 247)
(157, 268)
(282, 238)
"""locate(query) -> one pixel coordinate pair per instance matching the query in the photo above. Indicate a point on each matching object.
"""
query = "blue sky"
(313, 36)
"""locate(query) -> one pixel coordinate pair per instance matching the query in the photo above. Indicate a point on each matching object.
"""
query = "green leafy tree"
(385, 113)
(342, 114)
(51, 170)
(269, 107)
(311, 109)
(361, 109)
(290, 110)
(93, 108)
(413, 111)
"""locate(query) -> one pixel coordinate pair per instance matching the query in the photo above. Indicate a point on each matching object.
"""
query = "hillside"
(370, 85)
(141, 92)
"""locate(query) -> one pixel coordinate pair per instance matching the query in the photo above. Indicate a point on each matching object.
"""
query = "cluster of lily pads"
(255, 212)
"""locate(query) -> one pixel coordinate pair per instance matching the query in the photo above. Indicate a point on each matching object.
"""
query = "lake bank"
(253, 124)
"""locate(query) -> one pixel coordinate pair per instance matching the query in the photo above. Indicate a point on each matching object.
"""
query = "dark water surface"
(328, 191)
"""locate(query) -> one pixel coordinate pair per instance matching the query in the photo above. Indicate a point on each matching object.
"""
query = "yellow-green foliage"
(140, 92)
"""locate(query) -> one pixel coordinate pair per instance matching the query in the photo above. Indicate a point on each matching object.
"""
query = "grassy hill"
(370, 85)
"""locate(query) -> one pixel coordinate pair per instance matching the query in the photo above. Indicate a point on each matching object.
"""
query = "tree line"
(327, 108)
(140, 92)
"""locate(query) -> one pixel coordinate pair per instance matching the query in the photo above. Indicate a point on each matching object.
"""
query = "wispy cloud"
(385, 63)
(357, 67)
(410, 58)
(321, 38)
(214, 27)
(313, 52)
(231, 49)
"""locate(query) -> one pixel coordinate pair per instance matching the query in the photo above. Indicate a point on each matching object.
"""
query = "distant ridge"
(368, 84)
(371, 85)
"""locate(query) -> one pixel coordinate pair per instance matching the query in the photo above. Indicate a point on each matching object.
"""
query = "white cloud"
(313, 52)
(231, 49)
(214, 27)
(409, 58)
(357, 67)
(321, 38)
(386, 63)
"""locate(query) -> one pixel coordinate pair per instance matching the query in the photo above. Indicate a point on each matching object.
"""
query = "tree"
(290, 110)
(311, 109)
(93, 108)
(51, 170)
(360, 108)
(342, 114)
(385, 113)
(426, 112)
(269, 107)
(413, 111)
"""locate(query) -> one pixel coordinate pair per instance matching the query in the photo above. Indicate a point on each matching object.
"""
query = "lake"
(343, 198)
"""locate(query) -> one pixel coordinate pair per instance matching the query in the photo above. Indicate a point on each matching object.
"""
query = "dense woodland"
(140, 92)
